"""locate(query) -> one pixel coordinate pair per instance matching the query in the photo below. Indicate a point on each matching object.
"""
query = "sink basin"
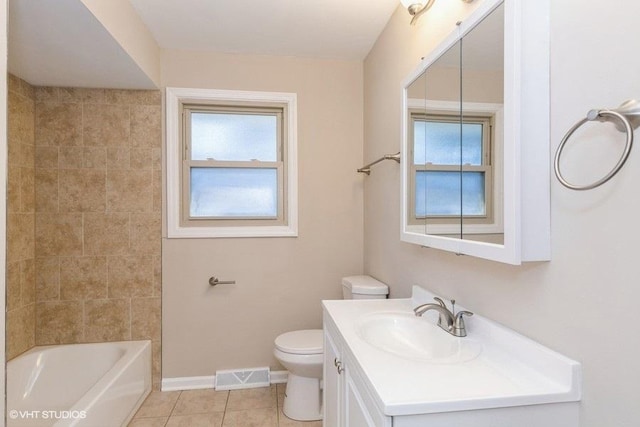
(415, 338)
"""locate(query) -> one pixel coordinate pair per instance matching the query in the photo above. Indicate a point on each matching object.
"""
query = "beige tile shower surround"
(97, 217)
(20, 278)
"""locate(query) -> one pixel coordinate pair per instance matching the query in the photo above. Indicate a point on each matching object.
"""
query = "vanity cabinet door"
(357, 414)
(345, 399)
(333, 381)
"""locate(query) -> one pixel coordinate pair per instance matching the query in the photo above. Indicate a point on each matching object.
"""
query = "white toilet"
(301, 352)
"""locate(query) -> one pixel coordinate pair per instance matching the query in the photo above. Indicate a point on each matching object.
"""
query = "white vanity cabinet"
(513, 381)
(333, 384)
(346, 402)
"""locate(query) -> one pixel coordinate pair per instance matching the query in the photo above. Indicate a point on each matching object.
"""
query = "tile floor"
(255, 407)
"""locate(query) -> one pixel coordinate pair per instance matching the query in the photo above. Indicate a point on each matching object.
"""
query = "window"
(442, 191)
(231, 164)
(234, 164)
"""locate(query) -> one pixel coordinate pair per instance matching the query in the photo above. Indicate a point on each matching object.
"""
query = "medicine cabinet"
(475, 155)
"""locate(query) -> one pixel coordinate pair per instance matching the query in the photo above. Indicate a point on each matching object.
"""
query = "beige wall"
(583, 301)
(20, 276)
(280, 281)
(97, 222)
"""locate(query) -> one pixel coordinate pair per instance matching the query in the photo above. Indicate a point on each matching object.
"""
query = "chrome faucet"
(450, 321)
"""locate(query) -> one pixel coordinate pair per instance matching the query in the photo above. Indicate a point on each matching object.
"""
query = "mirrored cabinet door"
(482, 100)
(416, 203)
(434, 121)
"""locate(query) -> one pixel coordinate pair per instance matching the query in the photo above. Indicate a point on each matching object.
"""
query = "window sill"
(231, 232)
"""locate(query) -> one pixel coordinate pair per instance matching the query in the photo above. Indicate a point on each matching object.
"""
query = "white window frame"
(492, 227)
(175, 97)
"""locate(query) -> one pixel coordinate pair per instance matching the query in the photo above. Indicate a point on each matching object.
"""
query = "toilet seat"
(308, 341)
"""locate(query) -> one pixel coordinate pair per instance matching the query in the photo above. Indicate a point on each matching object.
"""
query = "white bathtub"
(79, 385)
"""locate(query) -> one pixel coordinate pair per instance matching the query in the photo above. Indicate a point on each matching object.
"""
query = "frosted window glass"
(439, 143)
(438, 194)
(234, 137)
(234, 192)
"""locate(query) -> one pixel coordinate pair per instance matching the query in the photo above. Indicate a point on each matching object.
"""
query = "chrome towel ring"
(627, 117)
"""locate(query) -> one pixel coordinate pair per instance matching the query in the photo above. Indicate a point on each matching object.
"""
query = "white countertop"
(511, 370)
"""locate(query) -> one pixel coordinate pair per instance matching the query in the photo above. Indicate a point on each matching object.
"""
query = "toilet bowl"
(301, 353)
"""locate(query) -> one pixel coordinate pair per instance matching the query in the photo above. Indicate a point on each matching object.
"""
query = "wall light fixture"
(418, 7)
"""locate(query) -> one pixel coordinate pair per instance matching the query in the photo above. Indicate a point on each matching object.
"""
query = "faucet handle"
(439, 301)
(459, 315)
(459, 329)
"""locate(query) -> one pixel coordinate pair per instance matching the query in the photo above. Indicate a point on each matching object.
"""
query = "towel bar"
(367, 168)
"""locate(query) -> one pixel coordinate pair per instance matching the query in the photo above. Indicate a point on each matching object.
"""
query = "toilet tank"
(363, 287)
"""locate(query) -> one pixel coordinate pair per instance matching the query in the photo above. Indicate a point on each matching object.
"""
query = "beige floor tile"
(196, 420)
(280, 389)
(252, 398)
(148, 422)
(283, 421)
(201, 402)
(263, 417)
(158, 404)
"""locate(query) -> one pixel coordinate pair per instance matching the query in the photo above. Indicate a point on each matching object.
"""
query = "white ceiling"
(61, 43)
(341, 29)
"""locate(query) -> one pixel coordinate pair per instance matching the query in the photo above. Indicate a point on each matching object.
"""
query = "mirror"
(482, 66)
(434, 115)
(464, 129)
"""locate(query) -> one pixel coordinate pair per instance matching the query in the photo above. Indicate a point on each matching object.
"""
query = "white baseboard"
(279, 377)
(188, 383)
(198, 383)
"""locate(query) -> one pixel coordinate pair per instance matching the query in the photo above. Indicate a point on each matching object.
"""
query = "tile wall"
(20, 279)
(97, 216)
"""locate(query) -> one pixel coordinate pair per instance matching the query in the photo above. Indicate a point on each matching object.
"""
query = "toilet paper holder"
(213, 281)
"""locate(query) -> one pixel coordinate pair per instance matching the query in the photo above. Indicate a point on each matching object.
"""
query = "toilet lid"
(301, 342)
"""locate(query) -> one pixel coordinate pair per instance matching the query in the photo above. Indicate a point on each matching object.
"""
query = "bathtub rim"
(132, 351)
(104, 383)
